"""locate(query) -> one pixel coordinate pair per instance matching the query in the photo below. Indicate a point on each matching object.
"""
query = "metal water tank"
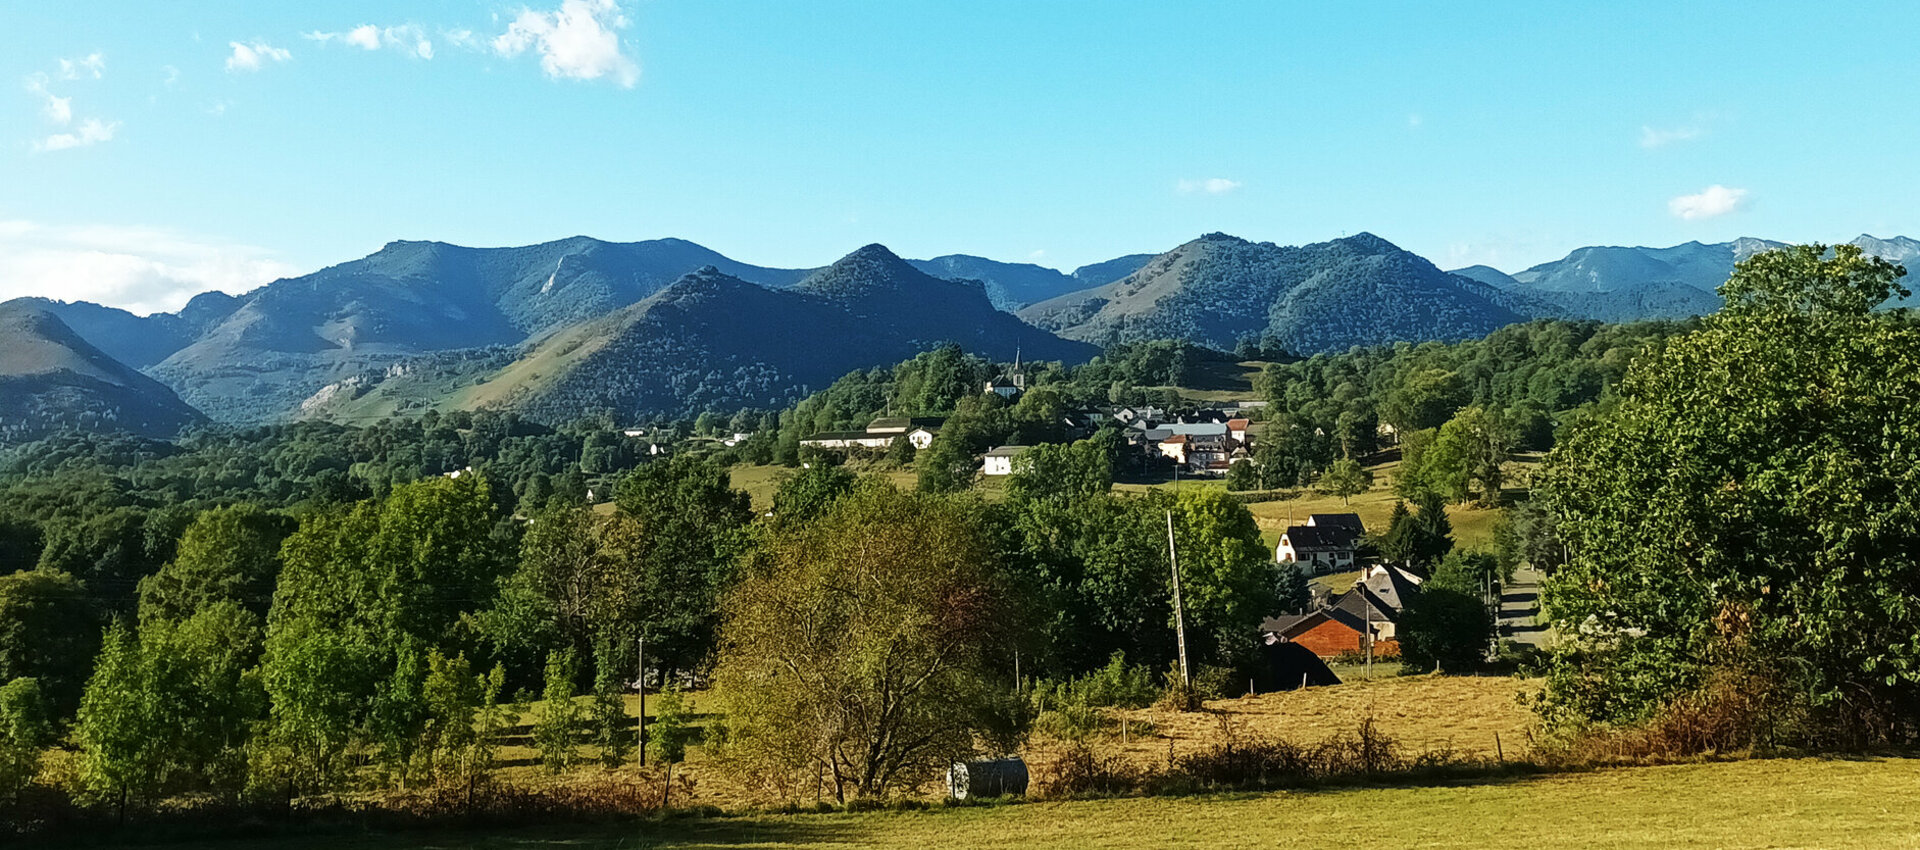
(990, 778)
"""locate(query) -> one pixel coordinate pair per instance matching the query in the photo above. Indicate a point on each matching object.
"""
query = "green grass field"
(1778, 803)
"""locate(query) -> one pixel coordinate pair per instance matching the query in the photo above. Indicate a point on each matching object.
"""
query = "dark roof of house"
(839, 435)
(903, 424)
(1280, 625)
(1354, 604)
(1007, 451)
(1307, 538)
(1288, 625)
(1347, 521)
(1391, 585)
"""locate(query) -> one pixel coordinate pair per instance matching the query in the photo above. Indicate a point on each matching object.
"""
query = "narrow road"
(1519, 608)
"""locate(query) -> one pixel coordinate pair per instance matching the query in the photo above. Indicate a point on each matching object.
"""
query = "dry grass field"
(1462, 713)
(1422, 713)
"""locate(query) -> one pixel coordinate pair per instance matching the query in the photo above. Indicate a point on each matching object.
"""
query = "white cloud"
(579, 41)
(173, 76)
(90, 132)
(92, 65)
(366, 37)
(408, 39)
(254, 55)
(1715, 200)
(142, 269)
(1414, 121)
(58, 110)
(1655, 137)
(1210, 185)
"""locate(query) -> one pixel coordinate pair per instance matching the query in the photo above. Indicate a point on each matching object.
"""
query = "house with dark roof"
(1327, 543)
(919, 430)
(1332, 632)
(1347, 623)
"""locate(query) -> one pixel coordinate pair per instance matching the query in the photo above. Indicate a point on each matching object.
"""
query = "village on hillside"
(1357, 596)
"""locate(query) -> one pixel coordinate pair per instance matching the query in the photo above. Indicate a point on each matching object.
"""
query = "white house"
(1000, 460)
(1326, 544)
(921, 437)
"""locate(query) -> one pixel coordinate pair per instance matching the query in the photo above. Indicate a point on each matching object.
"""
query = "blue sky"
(151, 150)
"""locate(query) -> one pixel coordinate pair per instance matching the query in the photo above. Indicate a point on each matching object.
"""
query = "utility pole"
(1179, 606)
(1367, 604)
(640, 682)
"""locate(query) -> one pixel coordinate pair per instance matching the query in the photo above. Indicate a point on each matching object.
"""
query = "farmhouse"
(1346, 623)
(1000, 460)
(919, 430)
(1327, 543)
(1237, 429)
(880, 434)
(1332, 632)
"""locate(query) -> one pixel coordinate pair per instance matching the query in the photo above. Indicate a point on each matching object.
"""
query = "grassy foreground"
(1776, 803)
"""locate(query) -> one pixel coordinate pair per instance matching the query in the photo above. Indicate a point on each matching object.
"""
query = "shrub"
(1071, 709)
(1081, 772)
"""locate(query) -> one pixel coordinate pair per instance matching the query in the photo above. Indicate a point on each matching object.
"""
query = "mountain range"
(1617, 284)
(670, 327)
(712, 341)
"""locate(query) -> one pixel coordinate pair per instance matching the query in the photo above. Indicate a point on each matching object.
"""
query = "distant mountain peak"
(1327, 296)
(872, 268)
(1367, 243)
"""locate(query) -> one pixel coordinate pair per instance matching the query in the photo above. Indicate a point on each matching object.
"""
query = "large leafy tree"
(869, 647)
(673, 549)
(1447, 625)
(1751, 501)
(807, 493)
(226, 554)
(1228, 577)
(48, 632)
(367, 594)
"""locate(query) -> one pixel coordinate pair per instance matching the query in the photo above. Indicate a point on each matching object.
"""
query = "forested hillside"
(1219, 290)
